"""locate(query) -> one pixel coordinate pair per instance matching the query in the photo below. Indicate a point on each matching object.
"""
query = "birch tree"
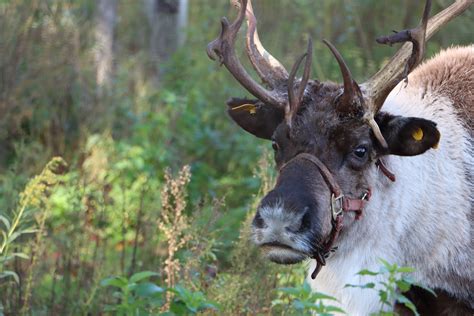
(104, 33)
(168, 20)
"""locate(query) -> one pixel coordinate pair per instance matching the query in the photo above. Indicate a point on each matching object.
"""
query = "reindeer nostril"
(302, 224)
(258, 221)
(306, 220)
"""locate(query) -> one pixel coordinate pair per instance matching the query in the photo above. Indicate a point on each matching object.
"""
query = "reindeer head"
(326, 136)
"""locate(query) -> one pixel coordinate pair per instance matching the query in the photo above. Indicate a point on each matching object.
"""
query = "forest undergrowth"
(136, 198)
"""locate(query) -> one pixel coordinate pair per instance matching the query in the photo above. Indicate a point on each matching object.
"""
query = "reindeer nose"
(278, 219)
(279, 216)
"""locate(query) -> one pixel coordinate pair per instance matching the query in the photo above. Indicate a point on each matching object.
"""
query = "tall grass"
(29, 218)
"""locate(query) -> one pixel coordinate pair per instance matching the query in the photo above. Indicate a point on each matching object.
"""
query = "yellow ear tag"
(417, 135)
(251, 108)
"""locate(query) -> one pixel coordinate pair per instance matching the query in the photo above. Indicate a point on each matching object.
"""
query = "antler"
(350, 101)
(382, 83)
(222, 48)
(269, 69)
(295, 100)
(377, 88)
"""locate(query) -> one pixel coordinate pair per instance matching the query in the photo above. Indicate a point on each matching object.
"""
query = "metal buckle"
(336, 205)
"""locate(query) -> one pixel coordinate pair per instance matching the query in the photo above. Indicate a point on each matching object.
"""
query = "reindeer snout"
(282, 215)
(282, 227)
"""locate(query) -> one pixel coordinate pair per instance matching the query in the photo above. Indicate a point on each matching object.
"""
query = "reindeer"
(363, 167)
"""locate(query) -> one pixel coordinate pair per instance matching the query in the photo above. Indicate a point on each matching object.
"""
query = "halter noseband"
(338, 205)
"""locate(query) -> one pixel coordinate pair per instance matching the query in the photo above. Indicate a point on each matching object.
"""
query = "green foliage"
(394, 282)
(32, 198)
(187, 302)
(138, 296)
(134, 295)
(101, 218)
(306, 302)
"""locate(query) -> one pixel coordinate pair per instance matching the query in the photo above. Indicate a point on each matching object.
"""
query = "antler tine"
(222, 48)
(415, 36)
(349, 101)
(295, 100)
(307, 69)
(378, 87)
(269, 69)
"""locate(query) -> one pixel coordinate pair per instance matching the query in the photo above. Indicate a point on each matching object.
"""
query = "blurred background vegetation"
(124, 92)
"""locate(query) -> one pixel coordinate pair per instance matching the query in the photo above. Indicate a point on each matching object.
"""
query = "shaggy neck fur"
(424, 219)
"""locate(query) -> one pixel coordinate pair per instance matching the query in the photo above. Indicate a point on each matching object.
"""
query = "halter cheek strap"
(339, 204)
(338, 200)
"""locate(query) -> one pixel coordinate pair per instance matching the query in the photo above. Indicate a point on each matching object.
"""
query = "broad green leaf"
(308, 305)
(147, 289)
(209, 306)
(383, 296)
(405, 301)
(367, 272)
(6, 274)
(306, 287)
(426, 289)
(29, 231)
(13, 236)
(334, 309)
(385, 263)
(290, 290)
(131, 286)
(405, 269)
(403, 285)
(322, 296)
(279, 302)
(297, 304)
(5, 222)
(137, 277)
(179, 308)
(369, 285)
(20, 255)
(119, 282)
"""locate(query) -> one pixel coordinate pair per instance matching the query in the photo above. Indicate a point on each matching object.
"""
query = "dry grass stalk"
(173, 222)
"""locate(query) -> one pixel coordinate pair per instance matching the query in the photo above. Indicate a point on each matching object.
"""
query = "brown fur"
(450, 74)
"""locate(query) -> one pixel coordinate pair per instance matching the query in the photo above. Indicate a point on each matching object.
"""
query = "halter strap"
(339, 204)
(346, 204)
(327, 175)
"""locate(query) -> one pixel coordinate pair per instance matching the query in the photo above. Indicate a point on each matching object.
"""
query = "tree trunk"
(168, 19)
(106, 19)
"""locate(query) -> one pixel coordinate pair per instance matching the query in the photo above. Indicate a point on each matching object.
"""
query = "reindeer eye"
(360, 151)
(275, 145)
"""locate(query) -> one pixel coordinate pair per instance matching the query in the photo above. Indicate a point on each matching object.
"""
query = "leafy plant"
(135, 295)
(187, 302)
(394, 283)
(12, 229)
(138, 296)
(305, 301)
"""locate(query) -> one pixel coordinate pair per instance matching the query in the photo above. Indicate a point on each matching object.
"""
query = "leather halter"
(339, 204)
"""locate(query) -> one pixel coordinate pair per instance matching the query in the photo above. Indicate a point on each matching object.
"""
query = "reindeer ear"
(255, 117)
(407, 136)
